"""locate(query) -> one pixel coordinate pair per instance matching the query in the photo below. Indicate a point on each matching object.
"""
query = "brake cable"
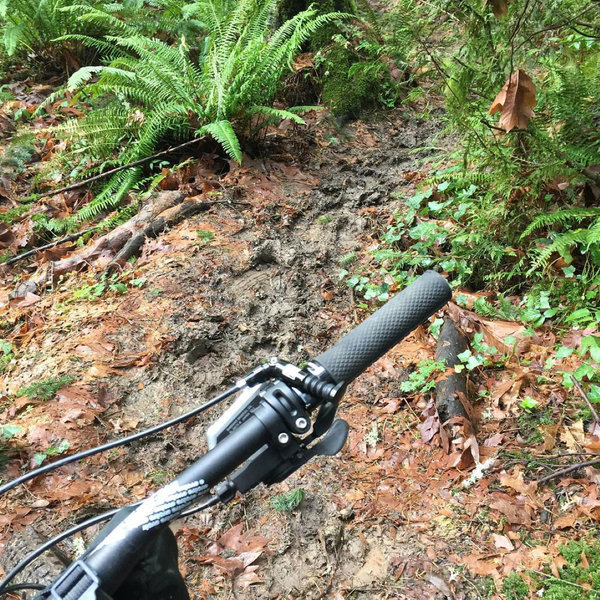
(116, 443)
(269, 421)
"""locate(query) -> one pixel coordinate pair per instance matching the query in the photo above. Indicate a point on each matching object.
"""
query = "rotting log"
(105, 247)
(451, 392)
(168, 218)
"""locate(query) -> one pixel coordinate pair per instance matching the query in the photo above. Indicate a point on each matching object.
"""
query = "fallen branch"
(451, 392)
(166, 219)
(573, 467)
(69, 238)
(587, 400)
(105, 246)
(130, 165)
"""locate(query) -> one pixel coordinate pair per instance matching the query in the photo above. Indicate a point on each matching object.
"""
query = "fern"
(46, 26)
(112, 195)
(222, 132)
(155, 92)
(587, 240)
(562, 217)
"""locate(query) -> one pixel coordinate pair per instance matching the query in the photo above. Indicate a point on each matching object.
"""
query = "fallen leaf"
(502, 542)
(440, 584)
(573, 436)
(431, 425)
(515, 102)
(478, 564)
(565, 522)
(516, 513)
(29, 300)
(515, 481)
(373, 570)
(556, 565)
(584, 561)
(549, 434)
(494, 440)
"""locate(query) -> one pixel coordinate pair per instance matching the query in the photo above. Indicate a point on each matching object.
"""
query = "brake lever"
(292, 393)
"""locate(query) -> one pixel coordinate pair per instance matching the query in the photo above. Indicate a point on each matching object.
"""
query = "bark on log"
(449, 391)
(168, 218)
(107, 245)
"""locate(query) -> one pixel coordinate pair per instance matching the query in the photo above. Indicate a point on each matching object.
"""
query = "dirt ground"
(283, 298)
(222, 292)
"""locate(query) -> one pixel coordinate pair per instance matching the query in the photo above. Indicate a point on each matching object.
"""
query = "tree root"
(122, 243)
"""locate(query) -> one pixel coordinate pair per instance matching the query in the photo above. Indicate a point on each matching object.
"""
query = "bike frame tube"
(114, 557)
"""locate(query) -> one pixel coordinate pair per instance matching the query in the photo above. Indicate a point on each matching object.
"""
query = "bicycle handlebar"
(271, 424)
(385, 328)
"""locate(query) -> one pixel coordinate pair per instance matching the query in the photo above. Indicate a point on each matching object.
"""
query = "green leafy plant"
(422, 380)
(6, 354)
(9, 431)
(40, 457)
(34, 24)
(514, 588)
(45, 389)
(205, 235)
(511, 212)
(288, 501)
(155, 92)
(578, 580)
(48, 28)
(93, 291)
(6, 433)
(528, 404)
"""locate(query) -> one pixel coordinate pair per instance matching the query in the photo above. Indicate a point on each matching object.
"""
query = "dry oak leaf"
(515, 102)
(516, 513)
(499, 7)
(515, 481)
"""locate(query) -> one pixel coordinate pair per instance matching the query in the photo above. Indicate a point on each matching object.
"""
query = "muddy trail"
(210, 299)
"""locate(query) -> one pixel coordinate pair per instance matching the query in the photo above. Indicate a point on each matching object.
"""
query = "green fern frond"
(112, 194)
(222, 132)
(155, 90)
(277, 113)
(562, 217)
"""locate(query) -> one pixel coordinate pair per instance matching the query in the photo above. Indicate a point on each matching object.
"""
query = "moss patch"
(343, 94)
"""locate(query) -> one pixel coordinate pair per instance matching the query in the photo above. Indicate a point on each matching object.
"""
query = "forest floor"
(391, 516)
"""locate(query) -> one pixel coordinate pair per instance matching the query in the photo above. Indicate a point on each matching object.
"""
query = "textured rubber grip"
(386, 327)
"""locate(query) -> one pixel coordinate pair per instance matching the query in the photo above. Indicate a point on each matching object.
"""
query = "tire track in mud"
(274, 305)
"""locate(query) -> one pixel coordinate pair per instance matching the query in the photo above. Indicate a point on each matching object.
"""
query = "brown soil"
(265, 283)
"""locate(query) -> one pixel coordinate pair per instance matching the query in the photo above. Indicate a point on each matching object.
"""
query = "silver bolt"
(301, 423)
(283, 438)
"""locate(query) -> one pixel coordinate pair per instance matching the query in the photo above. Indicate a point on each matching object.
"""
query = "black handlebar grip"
(386, 327)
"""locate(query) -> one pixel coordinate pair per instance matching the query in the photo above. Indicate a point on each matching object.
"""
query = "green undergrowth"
(516, 212)
(154, 93)
(288, 501)
(579, 579)
(45, 389)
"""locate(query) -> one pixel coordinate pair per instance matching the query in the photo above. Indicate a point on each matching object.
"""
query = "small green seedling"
(529, 404)
(46, 389)
(205, 235)
(289, 501)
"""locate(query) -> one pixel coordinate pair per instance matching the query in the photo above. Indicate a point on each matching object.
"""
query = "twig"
(587, 400)
(136, 163)
(69, 238)
(573, 467)
(548, 576)
(564, 455)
